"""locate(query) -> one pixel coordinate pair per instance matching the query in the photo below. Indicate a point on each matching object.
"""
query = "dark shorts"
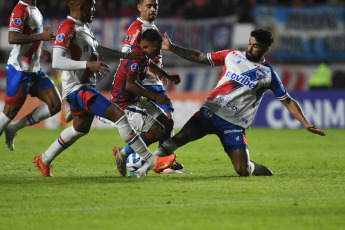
(231, 136)
(87, 101)
(159, 89)
(20, 84)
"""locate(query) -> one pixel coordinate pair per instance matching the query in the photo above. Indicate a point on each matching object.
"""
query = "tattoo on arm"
(191, 55)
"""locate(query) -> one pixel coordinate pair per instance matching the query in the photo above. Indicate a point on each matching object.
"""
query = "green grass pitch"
(306, 192)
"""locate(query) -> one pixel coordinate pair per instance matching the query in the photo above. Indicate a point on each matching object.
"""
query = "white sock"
(105, 121)
(250, 168)
(4, 121)
(168, 147)
(131, 137)
(39, 114)
(66, 139)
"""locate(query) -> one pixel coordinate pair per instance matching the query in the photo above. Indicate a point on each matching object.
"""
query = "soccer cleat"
(45, 169)
(120, 161)
(10, 138)
(137, 174)
(177, 166)
(260, 170)
(164, 163)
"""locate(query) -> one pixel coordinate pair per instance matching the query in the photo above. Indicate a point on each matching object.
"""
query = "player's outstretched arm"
(189, 54)
(61, 62)
(297, 112)
(19, 38)
(160, 72)
(110, 53)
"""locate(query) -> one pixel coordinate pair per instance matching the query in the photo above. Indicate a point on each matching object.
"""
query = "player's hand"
(312, 128)
(162, 99)
(48, 35)
(139, 54)
(46, 55)
(166, 42)
(174, 78)
(98, 67)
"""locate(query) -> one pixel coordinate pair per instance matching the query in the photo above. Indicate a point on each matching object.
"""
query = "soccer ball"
(134, 162)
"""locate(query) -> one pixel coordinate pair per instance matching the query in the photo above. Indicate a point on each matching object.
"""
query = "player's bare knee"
(54, 108)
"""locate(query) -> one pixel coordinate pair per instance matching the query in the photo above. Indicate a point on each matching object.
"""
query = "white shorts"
(143, 114)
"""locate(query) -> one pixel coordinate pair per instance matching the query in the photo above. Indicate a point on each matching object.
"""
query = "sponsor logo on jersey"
(61, 37)
(225, 102)
(233, 131)
(17, 21)
(135, 37)
(244, 80)
(128, 37)
(134, 67)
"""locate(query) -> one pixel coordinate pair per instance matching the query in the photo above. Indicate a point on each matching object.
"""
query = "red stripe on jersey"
(223, 89)
(27, 58)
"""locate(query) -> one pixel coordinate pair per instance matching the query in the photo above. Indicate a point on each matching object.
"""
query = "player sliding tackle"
(231, 107)
(76, 52)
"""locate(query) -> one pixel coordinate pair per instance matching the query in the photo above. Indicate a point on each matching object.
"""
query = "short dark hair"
(152, 35)
(263, 36)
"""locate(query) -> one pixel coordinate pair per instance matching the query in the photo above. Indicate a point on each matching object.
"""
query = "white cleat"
(137, 174)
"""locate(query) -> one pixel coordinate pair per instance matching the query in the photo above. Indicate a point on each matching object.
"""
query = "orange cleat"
(45, 169)
(164, 163)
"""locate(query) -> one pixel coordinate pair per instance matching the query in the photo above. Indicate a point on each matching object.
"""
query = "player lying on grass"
(23, 71)
(231, 106)
(76, 52)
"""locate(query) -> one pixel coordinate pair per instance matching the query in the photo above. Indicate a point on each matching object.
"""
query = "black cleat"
(177, 166)
(260, 170)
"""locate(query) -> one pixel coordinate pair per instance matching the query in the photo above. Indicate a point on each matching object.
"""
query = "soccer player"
(23, 72)
(148, 12)
(144, 115)
(76, 52)
(231, 106)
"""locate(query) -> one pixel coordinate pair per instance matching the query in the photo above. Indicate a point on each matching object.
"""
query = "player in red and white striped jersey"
(23, 72)
(76, 52)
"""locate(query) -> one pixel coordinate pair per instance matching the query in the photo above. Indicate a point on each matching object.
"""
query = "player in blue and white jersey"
(232, 105)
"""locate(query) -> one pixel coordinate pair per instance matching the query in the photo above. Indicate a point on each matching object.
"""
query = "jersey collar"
(25, 4)
(75, 20)
(146, 22)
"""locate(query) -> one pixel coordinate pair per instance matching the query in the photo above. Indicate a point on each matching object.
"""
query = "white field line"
(165, 205)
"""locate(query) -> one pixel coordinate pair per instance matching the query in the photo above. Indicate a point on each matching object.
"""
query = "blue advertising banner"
(326, 109)
(312, 33)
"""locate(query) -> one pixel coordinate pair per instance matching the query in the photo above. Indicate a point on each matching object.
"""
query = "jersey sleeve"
(65, 35)
(132, 38)
(19, 17)
(133, 67)
(277, 87)
(218, 58)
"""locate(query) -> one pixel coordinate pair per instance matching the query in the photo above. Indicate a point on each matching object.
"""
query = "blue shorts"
(20, 84)
(231, 136)
(86, 101)
(159, 89)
